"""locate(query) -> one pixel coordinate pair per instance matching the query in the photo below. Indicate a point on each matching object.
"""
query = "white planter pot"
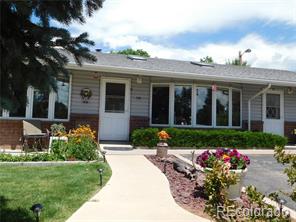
(234, 191)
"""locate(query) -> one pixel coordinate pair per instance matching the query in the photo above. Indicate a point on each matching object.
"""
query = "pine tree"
(30, 44)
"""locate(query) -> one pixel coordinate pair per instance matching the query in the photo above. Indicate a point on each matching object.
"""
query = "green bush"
(83, 148)
(145, 137)
(208, 138)
(5, 157)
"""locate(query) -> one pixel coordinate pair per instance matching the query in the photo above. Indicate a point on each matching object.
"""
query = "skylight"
(201, 64)
(135, 57)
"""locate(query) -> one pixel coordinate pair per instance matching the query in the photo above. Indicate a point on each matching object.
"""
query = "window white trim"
(193, 106)
(51, 106)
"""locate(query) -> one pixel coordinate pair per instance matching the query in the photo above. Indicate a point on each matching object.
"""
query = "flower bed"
(236, 160)
(81, 145)
(148, 137)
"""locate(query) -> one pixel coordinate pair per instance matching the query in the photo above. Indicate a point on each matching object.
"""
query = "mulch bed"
(182, 188)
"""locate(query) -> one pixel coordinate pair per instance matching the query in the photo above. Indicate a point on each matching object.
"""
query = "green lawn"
(61, 190)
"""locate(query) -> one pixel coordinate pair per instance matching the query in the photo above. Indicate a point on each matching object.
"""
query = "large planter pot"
(162, 150)
(234, 191)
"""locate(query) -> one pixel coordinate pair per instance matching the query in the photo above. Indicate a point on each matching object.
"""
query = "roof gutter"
(249, 104)
(184, 75)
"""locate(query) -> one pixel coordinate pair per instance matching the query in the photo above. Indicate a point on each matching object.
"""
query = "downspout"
(249, 104)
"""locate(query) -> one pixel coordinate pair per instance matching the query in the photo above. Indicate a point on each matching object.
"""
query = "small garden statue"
(162, 146)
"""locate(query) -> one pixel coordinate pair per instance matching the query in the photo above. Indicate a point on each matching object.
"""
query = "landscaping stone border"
(45, 163)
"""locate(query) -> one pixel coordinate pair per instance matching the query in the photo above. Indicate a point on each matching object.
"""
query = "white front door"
(114, 109)
(273, 112)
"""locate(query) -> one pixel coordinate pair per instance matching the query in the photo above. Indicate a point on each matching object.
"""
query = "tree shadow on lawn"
(14, 215)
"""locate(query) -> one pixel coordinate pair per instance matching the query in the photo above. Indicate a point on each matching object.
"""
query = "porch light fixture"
(101, 176)
(240, 55)
(36, 209)
(290, 91)
(139, 80)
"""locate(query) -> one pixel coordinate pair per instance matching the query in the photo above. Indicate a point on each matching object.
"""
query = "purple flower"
(246, 159)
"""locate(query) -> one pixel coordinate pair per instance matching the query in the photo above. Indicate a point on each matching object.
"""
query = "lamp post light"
(165, 166)
(240, 56)
(101, 176)
(282, 202)
(104, 155)
(36, 209)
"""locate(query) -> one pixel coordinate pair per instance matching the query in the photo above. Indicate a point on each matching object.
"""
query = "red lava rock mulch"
(182, 188)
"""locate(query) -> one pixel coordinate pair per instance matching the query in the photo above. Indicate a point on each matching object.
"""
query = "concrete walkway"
(137, 191)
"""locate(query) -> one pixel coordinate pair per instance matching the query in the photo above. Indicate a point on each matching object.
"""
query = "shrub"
(80, 146)
(5, 157)
(145, 137)
(208, 138)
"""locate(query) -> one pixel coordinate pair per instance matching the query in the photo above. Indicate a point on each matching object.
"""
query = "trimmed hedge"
(6, 157)
(208, 138)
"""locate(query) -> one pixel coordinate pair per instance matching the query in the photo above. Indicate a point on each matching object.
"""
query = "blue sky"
(191, 29)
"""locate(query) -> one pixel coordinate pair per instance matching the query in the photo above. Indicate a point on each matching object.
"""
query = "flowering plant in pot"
(236, 163)
(162, 146)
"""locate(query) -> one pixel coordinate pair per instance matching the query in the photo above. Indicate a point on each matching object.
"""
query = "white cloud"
(264, 54)
(170, 17)
(124, 23)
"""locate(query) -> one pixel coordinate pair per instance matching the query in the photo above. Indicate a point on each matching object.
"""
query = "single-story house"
(119, 93)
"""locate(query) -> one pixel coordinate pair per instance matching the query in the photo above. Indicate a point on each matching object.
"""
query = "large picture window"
(160, 104)
(173, 104)
(204, 106)
(61, 105)
(182, 105)
(40, 104)
(222, 107)
(236, 108)
(20, 111)
(43, 104)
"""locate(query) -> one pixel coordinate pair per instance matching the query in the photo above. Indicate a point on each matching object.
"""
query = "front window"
(44, 104)
(182, 105)
(236, 108)
(222, 107)
(62, 99)
(40, 104)
(160, 104)
(204, 106)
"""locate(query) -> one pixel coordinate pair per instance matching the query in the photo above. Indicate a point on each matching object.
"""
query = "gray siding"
(140, 95)
(249, 91)
(290, 106)
(83, 79)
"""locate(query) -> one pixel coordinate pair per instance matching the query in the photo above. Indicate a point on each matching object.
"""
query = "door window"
(115, 98)
(273, 106)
